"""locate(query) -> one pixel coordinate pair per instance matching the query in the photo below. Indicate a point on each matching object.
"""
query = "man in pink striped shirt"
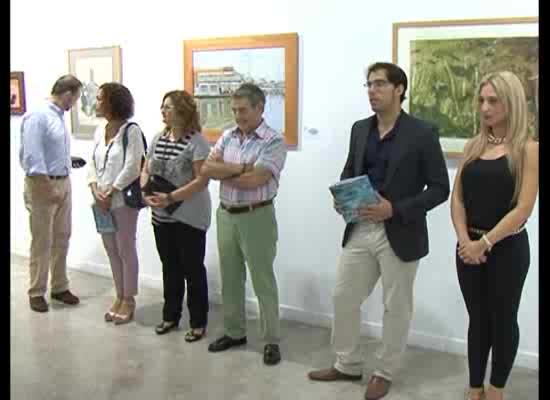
(248, 160)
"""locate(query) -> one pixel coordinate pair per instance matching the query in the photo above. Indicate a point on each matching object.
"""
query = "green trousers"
(249, 238)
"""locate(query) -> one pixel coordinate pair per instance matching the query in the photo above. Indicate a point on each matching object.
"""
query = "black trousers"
(181, 249)
(492, 293)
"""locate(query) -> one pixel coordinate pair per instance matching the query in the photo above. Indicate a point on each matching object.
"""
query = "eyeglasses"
(376, 84)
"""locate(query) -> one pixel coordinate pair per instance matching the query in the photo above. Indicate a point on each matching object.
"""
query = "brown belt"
(55, 177)
(248, 208)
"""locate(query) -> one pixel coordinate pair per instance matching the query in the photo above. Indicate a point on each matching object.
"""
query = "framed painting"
(215, 68)
(18, 104)
(93, 66)
(445, 61)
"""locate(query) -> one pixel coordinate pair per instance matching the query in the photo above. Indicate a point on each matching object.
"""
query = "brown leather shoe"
(66, 297)
(377, 388)
(331, 374)
(38, 304)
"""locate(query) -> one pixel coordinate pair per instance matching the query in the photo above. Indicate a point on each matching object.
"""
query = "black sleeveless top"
(487, 190)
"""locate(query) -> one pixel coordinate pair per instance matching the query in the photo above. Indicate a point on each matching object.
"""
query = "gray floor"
(70, 353)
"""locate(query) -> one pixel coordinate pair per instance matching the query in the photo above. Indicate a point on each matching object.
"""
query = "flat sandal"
(192, 335)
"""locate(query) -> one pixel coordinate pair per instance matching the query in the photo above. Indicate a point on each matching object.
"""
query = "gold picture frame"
(445, 60)
(18, 105)
(93, 66)
(215, 67)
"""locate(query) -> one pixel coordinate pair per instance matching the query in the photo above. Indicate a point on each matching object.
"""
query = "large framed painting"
(93, 66)
(445, 61)
(215, 68)
(18, 104)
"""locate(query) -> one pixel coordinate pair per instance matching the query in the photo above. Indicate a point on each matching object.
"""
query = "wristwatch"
(169, 198)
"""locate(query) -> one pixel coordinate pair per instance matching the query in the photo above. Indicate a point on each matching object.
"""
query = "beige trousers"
(49, 205)
(366, 257)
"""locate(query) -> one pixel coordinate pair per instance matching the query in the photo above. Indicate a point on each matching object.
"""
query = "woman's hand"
(472, 252)
(159, 200)
(103, 200)
(147, 199)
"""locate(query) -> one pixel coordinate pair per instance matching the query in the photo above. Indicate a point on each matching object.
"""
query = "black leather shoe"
(224, 343)
(165, 327)
(272, 354)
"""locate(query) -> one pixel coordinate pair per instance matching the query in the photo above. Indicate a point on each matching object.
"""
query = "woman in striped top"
(181, 211)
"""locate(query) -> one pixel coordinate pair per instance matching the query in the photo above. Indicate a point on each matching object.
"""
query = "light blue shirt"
(45, 142)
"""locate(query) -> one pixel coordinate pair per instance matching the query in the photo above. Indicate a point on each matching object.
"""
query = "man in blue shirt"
(45, 157)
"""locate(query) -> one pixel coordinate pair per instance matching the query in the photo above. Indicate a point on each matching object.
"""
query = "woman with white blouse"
(109, 173)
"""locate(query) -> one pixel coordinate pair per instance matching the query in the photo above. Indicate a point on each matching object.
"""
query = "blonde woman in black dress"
(493, 196)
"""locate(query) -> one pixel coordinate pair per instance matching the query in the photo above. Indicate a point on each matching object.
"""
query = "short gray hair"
(251, 92)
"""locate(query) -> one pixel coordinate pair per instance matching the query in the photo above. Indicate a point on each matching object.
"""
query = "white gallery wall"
(337, 39)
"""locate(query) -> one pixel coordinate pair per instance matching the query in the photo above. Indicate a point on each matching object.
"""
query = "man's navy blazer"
(416, 181)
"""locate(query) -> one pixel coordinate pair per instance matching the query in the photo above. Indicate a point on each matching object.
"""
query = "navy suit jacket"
(416, 181)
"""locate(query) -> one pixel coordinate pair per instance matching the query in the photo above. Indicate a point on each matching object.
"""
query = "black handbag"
(157, 183)
(132, 193)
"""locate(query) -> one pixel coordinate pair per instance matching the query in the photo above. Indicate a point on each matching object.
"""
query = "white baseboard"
(374, 329)
(424, 340)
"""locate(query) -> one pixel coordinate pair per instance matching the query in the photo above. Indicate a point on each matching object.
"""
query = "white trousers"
(366, 257)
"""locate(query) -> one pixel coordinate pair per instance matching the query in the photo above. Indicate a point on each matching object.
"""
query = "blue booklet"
(352, 194)
(104, 220)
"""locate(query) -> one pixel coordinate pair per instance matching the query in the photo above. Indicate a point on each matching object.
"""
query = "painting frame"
(18, 103)
(83, 120)
(403, 33)
(287, 41)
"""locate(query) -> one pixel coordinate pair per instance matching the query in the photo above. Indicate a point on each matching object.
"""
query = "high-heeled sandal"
(194, 334)
(125, 313)
(494, 390)
(475, 395)
(110, 315)
(165, 327)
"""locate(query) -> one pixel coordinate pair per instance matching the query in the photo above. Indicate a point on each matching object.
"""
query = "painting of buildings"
(217, 74)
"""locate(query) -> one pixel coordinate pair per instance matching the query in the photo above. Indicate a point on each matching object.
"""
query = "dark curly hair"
(118, 100)
(186, 107)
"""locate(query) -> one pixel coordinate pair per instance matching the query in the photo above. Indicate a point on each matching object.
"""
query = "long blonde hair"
(509, 90)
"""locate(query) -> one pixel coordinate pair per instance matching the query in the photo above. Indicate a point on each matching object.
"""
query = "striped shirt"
(168, 150)
(264, 148)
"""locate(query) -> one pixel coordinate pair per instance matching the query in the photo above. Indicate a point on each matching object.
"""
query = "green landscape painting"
(444, 76)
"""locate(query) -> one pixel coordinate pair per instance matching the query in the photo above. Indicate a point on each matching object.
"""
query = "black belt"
(57, 177)
(243, 209)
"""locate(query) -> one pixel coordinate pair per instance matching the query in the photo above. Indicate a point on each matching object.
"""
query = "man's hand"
(379, 212)
(337, 207)
(214, 156)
